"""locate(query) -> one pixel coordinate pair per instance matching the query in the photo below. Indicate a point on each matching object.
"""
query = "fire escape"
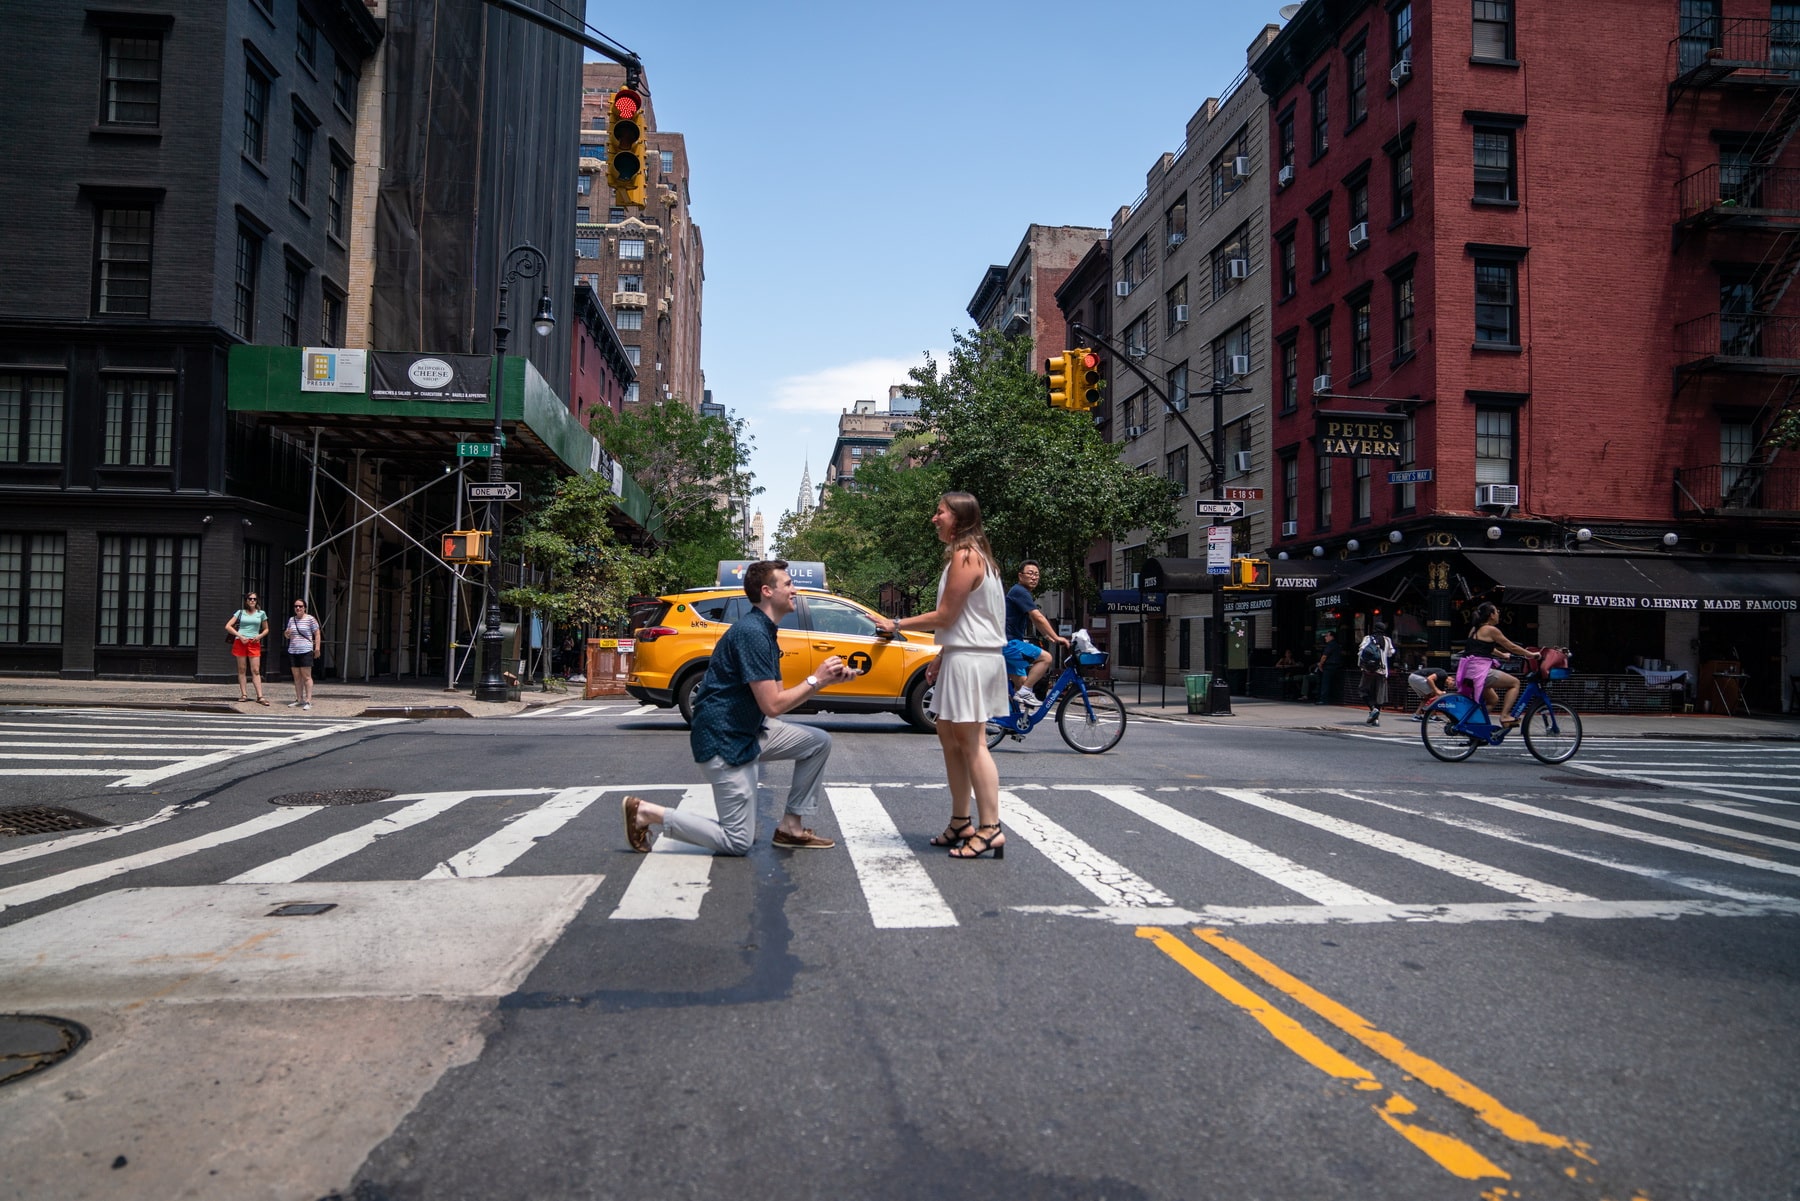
(1752, 198)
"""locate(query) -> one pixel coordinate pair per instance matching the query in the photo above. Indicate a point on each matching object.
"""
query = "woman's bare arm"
(966, 572)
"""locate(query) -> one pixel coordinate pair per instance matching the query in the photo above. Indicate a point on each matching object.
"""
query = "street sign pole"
(1219, 702)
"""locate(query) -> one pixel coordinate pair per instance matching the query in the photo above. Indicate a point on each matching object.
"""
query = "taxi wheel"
(685, 688)
(914, 712)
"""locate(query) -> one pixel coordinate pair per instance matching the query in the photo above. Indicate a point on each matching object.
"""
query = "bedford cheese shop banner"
(396, 376)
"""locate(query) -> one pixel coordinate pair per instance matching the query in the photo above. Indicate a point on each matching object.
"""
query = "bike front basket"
(1091, 658)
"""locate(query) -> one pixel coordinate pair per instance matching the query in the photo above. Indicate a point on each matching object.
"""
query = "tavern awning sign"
(1352, 436)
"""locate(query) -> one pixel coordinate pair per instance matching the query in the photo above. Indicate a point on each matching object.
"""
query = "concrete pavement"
(420, 698)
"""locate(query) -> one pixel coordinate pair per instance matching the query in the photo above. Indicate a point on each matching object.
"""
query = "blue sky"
(856, 167)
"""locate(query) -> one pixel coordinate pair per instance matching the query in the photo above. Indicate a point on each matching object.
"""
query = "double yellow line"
(1453, 1154)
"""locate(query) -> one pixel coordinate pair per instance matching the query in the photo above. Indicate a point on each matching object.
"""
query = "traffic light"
(465, 546)
(625, 147)
(1057, 372)
(1249, 573)
(1084, 378)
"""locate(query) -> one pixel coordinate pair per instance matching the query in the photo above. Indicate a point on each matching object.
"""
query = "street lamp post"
(523, 261)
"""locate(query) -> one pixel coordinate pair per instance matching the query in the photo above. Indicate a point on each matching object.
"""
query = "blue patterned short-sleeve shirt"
(727, 720)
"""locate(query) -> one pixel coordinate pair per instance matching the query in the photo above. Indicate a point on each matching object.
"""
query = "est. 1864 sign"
(1353, 436)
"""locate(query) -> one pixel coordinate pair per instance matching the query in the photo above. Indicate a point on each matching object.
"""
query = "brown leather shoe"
(638, 836)
(806, 840)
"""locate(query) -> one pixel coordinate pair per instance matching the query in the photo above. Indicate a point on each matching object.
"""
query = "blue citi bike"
(1455, 727)
(1089, 716)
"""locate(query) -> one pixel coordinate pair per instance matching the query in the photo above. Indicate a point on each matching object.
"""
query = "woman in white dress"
(969, 673)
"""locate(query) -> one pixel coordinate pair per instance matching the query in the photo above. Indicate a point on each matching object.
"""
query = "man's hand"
(835, 671)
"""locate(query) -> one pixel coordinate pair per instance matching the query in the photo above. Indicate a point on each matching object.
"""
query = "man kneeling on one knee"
(737, 727)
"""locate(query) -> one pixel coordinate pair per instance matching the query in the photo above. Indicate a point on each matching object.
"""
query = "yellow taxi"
(676, 633)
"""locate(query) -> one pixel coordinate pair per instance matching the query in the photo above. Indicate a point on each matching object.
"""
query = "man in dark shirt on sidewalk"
(737, 727)
(1331, 669)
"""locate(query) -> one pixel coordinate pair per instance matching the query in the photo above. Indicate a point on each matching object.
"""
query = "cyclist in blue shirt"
(1026, 661)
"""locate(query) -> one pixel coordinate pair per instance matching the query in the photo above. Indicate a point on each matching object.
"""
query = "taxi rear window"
(647, 613)
(726, 609)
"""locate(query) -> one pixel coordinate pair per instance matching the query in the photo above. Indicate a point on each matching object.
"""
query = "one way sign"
(1218, 508)
(496, 491)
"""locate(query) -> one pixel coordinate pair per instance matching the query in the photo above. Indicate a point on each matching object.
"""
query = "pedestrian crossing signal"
(466, 546)
(1249, 573)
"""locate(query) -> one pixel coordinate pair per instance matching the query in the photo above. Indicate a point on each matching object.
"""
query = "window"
(149, 590)
(1230, 261)
(122, 262)
(593, 150)
(1359, 339)
(1290, 488)
(1357, 68)
(1175, 223)
(255, 578)
(587, 248)
(1184, 642)
(1177, 381)
(1225, 177)
(293, 295)
(828, 616)
(1238, 436)
(1496, 302)
(1175, 305)
(1289, 357)
(631, 393)
(1494, 445)
(631, 283)
(256, 112)
(31, 587)
(139, 429)
(583, 214)
(1284, 243)
(1137, 337)
(631, 248)
(1400, 169)
(331, 316)
(1233, 343)
(668, 161)
(132, 90)
(1322, 345)
(1359, 498)
(1737, 300)
(1175, 467)
(1321, 219)
(1737, 443)
(1137, 263)
(1404, 307)
(1406, 495)
(343, 86)
(1131, 643)
(1321, 118)
(31, 418)
(628, 319)
(300, 163)
(1784, 36)
(615, 215)
(337, 199)
(249, 261)
(1493, 28)
(1284, 136)
(306, 40)
(1358, 189)
(1400, 25)
(1322, 494)
(1495, 172)
(635, 355)
(584, 184)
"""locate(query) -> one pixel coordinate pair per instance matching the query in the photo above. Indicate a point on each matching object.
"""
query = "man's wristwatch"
(812, 681)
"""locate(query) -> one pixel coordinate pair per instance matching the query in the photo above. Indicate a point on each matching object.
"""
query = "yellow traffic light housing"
(1249, 573)
(625, 147)
(466, 546)
(1057, 371)
(1083, 373)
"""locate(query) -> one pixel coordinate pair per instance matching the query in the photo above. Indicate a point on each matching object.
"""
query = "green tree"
(590, 574)
(872, 531)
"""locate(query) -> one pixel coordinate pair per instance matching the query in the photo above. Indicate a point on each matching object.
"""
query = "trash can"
(1199, 693)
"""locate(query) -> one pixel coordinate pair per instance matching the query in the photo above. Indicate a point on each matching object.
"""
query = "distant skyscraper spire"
(806, 503)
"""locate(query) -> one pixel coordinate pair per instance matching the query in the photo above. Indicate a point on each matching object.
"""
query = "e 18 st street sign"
(496, 491)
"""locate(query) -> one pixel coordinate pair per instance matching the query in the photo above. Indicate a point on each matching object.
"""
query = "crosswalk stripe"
(1296, 877)
(675, 876)
(1418, 852)
(111, 744)
(495, 853)
(1743, 813)
(151, 776)
(49, 886)
(899, 893)
(1675, 819)
(84, 837)
(1106, 878)
(307, 860)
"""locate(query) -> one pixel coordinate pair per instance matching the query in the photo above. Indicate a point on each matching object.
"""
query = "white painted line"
(1743, 812)
(155, 744)
(1657, 840)
(1672, 819)
(307, 860)
(1716, 773)
(50, 886)
(87, 758)
(1296, 877)
(900, 894)
(1417, 852)
(59, 771)
(674, 876)
(1106, 878)
(493, 854)
(644, 711)
(1455, 915)
(1692, 785)
(151, 776)
(84, 837)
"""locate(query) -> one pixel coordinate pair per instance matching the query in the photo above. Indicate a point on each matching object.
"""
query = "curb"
(178, 706)
(416, 712)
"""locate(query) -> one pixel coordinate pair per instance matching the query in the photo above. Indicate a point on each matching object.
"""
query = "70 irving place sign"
(1356, 436)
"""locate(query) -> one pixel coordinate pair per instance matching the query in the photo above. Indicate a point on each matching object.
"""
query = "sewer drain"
(31, 1042)
(20, 820)
(1606, 782)
(336, 796)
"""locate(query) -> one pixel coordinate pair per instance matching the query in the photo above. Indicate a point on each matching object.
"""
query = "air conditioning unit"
(1136, 579)
(1176, 239)
(1240, 461)
(1240, 166)
(1290, 529)
(1497, 494)
(1402, 71)
(1179, 403)
(1285, 176)
(1123, 287)
(1240, 364)
(1359, 235)
(1134, 431)
(1321, 383)
(1181, 313)
(1237, 268)
(1136, 352)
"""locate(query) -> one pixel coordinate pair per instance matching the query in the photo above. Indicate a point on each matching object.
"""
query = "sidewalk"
(331, 698)
(1248, 713)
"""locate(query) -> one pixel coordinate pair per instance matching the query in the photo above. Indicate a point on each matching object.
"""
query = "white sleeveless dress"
(971, 683)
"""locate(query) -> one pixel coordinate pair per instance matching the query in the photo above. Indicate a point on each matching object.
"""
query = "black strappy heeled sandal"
(955, 833)
(968, 850)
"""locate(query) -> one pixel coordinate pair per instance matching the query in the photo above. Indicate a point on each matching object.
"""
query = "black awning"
(1370, 578)
(1592, 581)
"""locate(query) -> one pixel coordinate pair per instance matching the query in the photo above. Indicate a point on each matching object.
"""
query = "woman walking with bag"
(248, 627)
(302, 636)
(969, 674)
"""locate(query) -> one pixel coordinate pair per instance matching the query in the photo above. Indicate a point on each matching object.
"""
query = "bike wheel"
(1552, 732)
(1440, 740)
(1094, 724)
(995, 735)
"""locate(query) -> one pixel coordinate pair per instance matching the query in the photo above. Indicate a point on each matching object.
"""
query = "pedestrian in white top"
(302, 637)
(1372, 655)
(969, 673)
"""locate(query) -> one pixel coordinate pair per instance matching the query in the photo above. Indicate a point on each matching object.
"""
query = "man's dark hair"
(1030, 563)
(757, 575)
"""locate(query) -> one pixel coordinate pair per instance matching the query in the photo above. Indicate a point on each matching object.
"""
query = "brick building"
(1020, 297)
(647, 266)
(864, 430)
(1546, 289)
(1086, 296)
(600, 371)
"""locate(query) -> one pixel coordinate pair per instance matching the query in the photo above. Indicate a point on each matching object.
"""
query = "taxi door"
(838, 627)
(796, 646)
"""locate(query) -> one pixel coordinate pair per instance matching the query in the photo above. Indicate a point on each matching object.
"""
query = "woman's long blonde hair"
(970, 534)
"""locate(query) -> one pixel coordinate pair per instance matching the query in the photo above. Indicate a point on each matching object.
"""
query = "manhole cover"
(335, 796)
(30, 1043)
(1606, 782)
(20, 820)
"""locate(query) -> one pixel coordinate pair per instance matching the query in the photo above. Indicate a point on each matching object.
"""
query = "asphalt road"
(1214, 963)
